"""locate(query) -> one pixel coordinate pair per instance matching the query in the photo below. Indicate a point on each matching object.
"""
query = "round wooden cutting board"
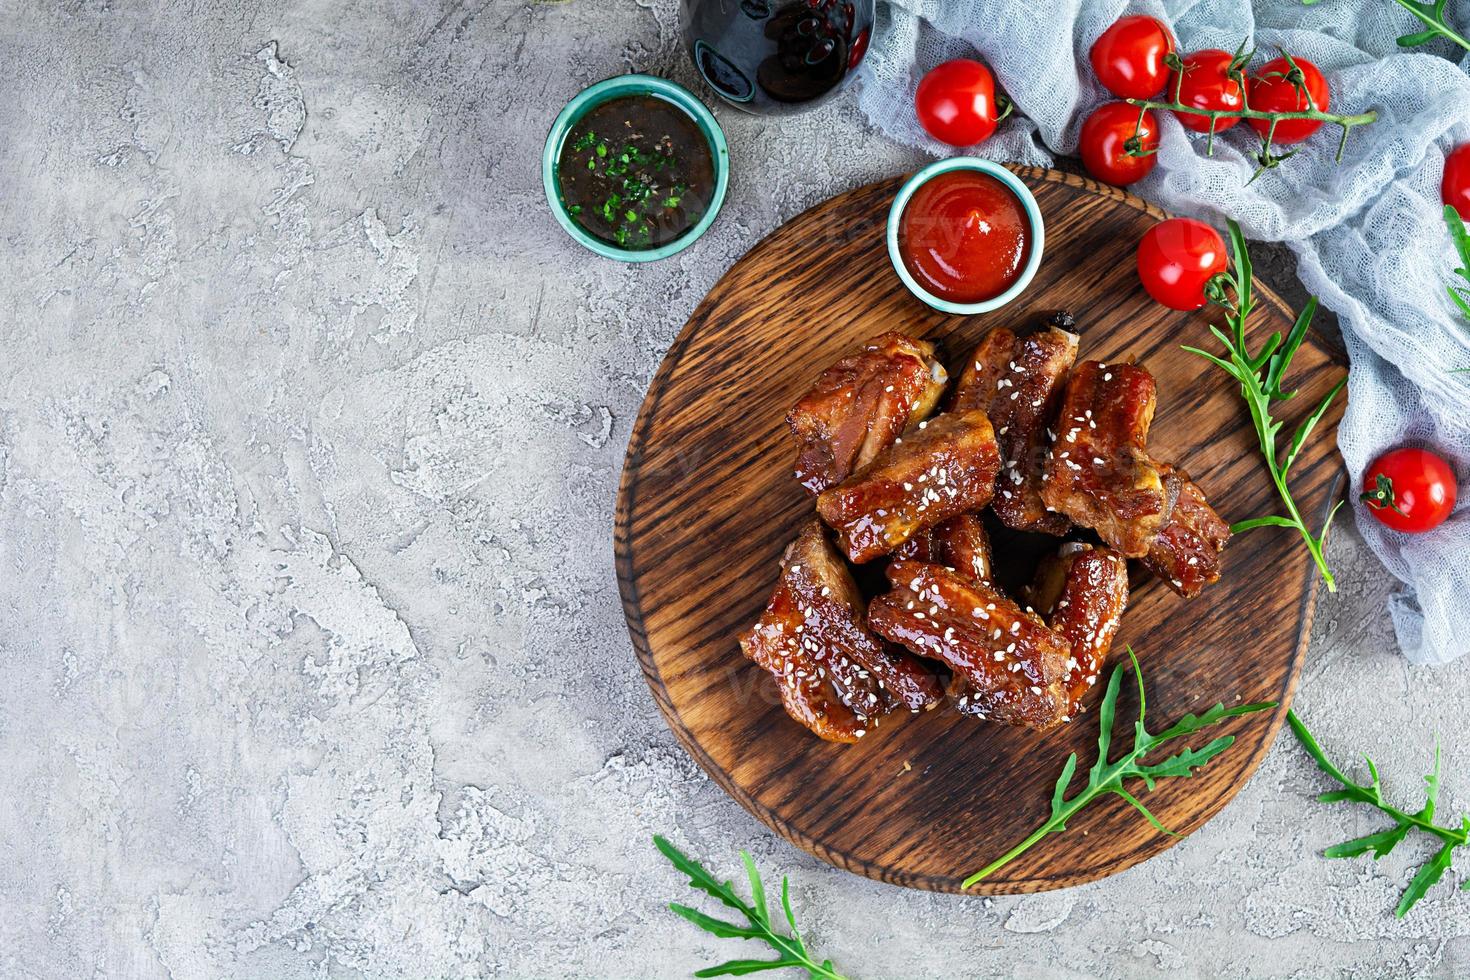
(708, 502)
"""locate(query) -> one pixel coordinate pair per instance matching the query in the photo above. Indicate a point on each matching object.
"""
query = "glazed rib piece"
(975, 387)
(835, 677)
(1186, 552)
(959, 543)
(1015, 668)
(860, 405)
(944, 467)
(962, 545)
(1082, 591)
(1098, 472)
(1018, 382)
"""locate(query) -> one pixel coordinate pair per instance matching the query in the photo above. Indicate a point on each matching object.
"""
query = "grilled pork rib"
(1101, 475)
(1186, 552)
(962, 545)
(1082, 591)
(1018, 381)
(860, 405)
(944, 467)
(959, 543)
(1015, 667)
(1098, 472)
(835, 677)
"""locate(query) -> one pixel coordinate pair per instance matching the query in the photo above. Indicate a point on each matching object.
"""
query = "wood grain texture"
(707, 504)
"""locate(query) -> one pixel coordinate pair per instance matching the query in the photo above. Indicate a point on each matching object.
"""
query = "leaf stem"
(1446, 834)
(1314, 543)
(1051, 825)
(1055, 824)
(1264, 157)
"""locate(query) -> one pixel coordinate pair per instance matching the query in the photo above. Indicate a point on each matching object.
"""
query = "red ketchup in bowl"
(964, 236)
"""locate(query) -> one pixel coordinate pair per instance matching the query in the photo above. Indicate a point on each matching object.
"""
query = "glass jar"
(776, 56)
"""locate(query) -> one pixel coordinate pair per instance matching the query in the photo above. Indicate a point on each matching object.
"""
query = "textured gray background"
(310, 427)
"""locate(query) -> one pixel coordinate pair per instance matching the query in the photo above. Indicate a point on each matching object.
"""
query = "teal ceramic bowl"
(614, 88)
(1015, 185)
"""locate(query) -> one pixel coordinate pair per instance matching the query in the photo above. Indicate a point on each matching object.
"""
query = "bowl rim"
(1015, 185)
(604, 91)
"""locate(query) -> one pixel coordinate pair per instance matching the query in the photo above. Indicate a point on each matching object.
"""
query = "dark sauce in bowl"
(636, 172)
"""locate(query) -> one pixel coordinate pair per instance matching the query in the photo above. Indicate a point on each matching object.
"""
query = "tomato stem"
(1382, 495)
(1005, 104)
(1347, 123)
(1246, 112)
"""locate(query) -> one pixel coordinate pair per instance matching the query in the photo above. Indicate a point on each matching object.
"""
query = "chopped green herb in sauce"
(636, 172)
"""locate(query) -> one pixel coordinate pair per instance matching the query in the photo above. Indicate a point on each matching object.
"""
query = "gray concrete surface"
(310, 427)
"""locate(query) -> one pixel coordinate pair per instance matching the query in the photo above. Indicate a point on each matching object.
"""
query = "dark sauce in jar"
(776, 56)
(636, 172)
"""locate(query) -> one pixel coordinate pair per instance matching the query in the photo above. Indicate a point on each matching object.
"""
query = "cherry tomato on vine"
(1455, 188)
(1275, 89)
(956, 102)
(1105, 143)
(1129, 57)
(1411, 490)
(1207, 85)
(1176, 260)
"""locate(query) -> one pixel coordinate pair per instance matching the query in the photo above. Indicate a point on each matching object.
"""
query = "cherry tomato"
(1411, 490)
(1129, 57)
(1105, 142)
(1177, 258)
(1455, 189)
(1207, 85)
(858, 49)
(956, 102)
(1274, 89)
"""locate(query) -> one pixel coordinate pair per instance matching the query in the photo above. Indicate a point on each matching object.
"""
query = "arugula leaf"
(786, 905)
(739, 968)
(698, 876)
(757, 890)
(1108, 777)
(1380, 844)
(791, 950)
(1260, 376)
(1432, 15)
(1427, 876)
(717, 927)
(1431, 795)
(1460, 236)
(1105, 723)
(1058, 798)
(1383, 841)
(1185, 762)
